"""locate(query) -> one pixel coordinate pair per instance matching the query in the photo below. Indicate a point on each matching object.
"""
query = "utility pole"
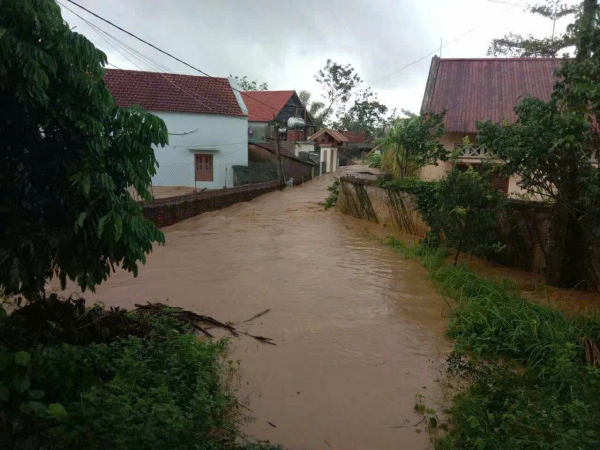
(278, 153)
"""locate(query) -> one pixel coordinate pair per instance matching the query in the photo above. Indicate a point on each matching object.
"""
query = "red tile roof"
(262, 105)
(478, 89)
(356, 137)
(338, 136)
(172, 92)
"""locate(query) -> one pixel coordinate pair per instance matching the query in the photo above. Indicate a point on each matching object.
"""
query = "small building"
(206, 119)
(472, 90)
(330, 141)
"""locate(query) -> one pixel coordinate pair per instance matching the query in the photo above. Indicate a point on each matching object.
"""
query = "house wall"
(225, 137)
(259, 131)
(450, 140)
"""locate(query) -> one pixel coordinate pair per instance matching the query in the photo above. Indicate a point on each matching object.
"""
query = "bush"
(91, 378)
(532, 384)
(334, 192)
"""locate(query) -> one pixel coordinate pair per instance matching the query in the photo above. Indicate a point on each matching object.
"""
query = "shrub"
(532, 385)
(334, 192)
(92, 378)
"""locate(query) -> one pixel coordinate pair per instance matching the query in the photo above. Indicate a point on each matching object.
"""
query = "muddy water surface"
(359, 331)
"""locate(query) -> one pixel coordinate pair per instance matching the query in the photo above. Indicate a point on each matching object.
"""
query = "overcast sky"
(285, 43)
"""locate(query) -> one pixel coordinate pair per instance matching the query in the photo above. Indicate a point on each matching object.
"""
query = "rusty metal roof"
(487, 88)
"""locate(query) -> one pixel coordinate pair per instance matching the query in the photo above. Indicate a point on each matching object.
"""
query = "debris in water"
(272, 424)
(257, 315)
(195, 319)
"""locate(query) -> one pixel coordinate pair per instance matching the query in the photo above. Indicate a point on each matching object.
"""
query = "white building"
(207, 122)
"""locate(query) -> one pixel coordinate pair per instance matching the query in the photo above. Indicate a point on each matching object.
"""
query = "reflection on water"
(359, 330)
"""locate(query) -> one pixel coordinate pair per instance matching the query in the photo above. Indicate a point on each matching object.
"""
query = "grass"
(530, 385)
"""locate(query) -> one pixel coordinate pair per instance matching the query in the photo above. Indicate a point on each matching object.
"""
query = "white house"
(329, 140)
(207, 122)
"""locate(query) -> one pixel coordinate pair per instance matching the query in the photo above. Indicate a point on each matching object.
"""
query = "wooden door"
(203, 167)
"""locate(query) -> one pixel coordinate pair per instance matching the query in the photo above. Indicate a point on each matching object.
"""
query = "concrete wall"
(258, 131)
(225, 137)
(450, 140)
(364, 199)
(298, 170)
(304, 147)
(168, 211)
(524, 226)
(325, 157)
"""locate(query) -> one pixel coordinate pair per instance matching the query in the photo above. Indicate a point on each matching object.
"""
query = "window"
(203, 167)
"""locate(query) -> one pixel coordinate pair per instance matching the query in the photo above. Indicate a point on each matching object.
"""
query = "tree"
(366, 114)
(524, 47)
(68, 155)
(338, 82)
(414, 141)
(247, 85)
(550, 146)
(464, 208)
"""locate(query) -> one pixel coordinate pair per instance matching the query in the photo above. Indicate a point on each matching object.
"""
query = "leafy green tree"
(246, 85)
(68, 155)
(516, 45)
(550, 146)
(338, 82)
(366, 114)
(414, 141)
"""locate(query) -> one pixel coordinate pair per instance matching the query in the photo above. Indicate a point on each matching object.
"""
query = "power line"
(441, 46)
(132, 52)
(163, 51)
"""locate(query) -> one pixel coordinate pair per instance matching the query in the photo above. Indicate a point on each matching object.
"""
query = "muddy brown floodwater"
(359, 330)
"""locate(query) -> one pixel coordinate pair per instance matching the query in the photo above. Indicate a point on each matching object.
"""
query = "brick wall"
(295, 135)
(168, 211)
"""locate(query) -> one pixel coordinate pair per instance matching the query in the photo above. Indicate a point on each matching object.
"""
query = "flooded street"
(359, 330)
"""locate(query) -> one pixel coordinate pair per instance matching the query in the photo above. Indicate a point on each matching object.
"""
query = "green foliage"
(462, 209)
(515, 45)
(414, 142)
(334, 192)
(338, 82)
(375, 161)
(68, 156)
(366, 114)
(246, 85)
(529, 383)
(137, 381)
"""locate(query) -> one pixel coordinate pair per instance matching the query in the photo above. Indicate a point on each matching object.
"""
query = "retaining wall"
(524, 225)
(170, 210)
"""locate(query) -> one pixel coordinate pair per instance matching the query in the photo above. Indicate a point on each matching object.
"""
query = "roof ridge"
(165, 73)
(504, 59)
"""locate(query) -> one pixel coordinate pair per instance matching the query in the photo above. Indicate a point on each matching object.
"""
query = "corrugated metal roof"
(263, 105)
(490, 88)
(172, 92)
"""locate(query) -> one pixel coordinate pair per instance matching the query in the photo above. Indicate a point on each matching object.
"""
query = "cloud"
(285, 43)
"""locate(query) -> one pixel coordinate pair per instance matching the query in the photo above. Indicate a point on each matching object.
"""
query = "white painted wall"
(225, 137)
(325, 156)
